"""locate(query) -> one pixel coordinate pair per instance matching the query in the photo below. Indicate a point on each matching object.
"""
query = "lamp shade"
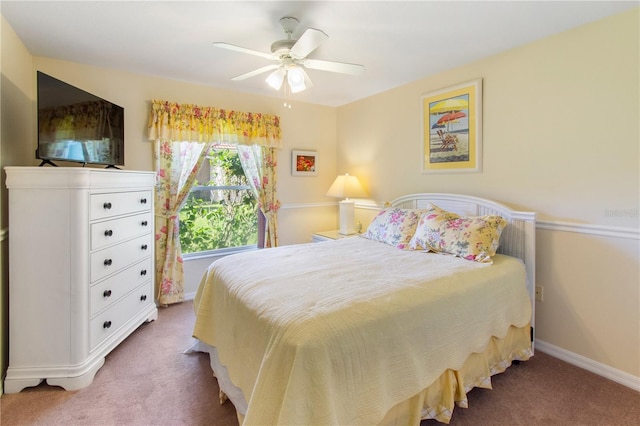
(346, 186)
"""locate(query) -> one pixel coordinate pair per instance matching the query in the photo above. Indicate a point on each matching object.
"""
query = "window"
(220, 211)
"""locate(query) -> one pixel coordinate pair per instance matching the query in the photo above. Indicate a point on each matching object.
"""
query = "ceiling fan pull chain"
(287, 93)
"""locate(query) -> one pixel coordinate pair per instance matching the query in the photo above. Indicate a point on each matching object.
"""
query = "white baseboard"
(595, 367)
(190, 296)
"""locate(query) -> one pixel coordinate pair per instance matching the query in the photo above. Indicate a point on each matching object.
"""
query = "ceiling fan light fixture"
(276, 78)
(296, 79)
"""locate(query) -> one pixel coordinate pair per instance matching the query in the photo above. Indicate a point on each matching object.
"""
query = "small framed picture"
(304, 163)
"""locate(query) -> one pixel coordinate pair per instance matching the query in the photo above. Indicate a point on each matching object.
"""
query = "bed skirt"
(437, 401)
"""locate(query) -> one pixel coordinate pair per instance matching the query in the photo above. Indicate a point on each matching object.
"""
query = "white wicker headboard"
(518, 239)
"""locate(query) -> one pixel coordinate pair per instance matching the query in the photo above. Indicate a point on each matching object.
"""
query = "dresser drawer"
(109, 321)
(109, 291)
(115, 230)
(115, 258)
(113, 204)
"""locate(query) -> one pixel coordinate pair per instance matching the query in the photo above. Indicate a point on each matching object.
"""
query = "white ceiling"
(397, 41)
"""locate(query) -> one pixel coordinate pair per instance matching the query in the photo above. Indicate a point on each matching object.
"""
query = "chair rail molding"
(551, 225)
(581, 228)
(360, 204)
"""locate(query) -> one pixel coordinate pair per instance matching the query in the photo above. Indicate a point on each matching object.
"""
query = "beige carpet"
(147, 380)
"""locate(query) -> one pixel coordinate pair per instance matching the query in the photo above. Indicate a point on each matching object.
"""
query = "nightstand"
(317, 237)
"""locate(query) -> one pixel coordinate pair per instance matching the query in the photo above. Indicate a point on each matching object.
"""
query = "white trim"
(580, 228)
(189, 296)
(214, 254)
(360, 204)
(588, 364)
(308, 205)
(367, 205)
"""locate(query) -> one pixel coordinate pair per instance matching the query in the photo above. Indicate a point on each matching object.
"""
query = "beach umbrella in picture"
(449, 105)
(450, 117)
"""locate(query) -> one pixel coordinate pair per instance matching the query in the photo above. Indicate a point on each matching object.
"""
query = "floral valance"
(192, 123)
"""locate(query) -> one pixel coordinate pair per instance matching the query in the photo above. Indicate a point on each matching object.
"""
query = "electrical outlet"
(539, 293)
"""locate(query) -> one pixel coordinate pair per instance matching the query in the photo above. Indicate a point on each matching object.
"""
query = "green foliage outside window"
(222, 215)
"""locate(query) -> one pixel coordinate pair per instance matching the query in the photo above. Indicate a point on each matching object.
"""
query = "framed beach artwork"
(452, 129)
(304, 163)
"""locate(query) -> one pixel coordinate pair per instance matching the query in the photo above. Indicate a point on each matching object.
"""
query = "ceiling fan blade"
(244, 50)
(307, 80)
(341, 67)
(255, 72)
(309, 41)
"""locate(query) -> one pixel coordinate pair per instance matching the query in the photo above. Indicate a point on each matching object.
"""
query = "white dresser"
(81, 244)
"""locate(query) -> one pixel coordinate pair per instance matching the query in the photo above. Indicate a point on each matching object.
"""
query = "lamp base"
(347, 217)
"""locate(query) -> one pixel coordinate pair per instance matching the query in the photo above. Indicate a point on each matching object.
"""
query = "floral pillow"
(394, 226)
(472, 238)
(419, 240)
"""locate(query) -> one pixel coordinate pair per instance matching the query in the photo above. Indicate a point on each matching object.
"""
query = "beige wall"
(561, 138)
(16, 127)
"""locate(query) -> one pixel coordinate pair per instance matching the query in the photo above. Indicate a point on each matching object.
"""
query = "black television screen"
(74, 125)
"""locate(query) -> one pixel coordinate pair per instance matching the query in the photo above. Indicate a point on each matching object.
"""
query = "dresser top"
(76, 177)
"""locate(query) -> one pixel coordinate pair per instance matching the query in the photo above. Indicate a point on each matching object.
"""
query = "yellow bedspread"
(339, 332)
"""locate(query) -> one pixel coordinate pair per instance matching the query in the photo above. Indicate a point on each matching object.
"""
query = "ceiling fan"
(291, 58)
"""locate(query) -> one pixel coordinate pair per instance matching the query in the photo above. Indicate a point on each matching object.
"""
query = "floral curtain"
(177, 164)
(259, 164)
(184, 135)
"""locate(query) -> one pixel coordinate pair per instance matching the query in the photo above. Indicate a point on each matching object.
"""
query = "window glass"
(220, 211)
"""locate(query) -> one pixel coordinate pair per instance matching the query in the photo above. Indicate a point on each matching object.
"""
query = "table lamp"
(346, 186)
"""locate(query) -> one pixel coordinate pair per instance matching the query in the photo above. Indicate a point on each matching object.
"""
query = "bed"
(372, 329)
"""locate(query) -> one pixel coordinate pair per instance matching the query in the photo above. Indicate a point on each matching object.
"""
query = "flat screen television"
(76, 126)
